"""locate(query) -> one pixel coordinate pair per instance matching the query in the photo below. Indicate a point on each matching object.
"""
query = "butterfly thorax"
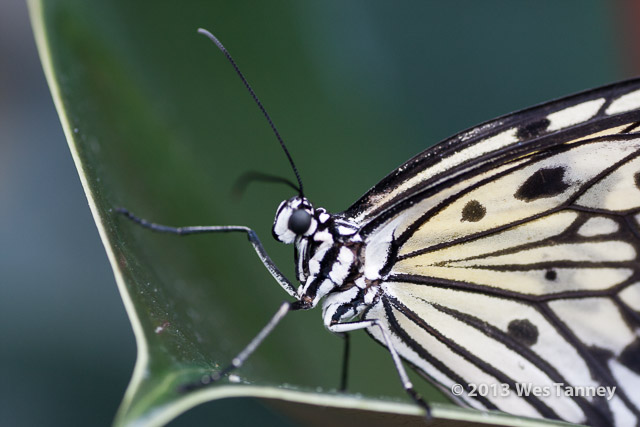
(329, 259)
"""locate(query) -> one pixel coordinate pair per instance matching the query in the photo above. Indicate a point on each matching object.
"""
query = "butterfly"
(501, 264)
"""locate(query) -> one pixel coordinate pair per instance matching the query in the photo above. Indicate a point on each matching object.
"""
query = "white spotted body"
(329, 262)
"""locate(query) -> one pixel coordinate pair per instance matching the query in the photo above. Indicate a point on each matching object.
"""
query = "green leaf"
(157, 122)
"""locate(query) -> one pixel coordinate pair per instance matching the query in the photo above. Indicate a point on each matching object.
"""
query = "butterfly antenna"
(255, 98)
(247, 178)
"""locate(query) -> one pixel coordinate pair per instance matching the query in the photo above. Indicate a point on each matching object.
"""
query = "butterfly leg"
(345, 361)
(404, 378)
(199, 229)
(239, 360)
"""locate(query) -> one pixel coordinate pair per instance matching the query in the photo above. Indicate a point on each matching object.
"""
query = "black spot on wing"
(522, 330)
(636, 179)
(473, 211)
(551, 275)
(630, 356)
(533, 129)
(545, 182)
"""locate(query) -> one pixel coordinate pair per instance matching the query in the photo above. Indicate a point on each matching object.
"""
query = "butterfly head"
(295, 217)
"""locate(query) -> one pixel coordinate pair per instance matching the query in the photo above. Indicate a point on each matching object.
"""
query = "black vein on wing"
(457, 348)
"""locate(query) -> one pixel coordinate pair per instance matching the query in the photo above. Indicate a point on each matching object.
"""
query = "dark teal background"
(356, 88)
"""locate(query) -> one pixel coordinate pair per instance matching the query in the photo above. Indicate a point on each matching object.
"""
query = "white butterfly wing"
(519, 265)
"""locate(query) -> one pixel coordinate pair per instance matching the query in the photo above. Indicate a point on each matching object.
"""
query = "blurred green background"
(356, 88)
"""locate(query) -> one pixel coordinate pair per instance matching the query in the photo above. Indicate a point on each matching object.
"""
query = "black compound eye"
(299, 221)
